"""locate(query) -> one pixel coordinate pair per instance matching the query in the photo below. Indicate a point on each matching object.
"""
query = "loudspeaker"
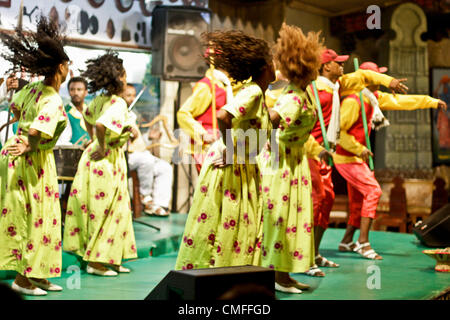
(226, 283)
(176, 48)
(434, 231)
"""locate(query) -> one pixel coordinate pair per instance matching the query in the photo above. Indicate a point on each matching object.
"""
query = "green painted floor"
(405, 273)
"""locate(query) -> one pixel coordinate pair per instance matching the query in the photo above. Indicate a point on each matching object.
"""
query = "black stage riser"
(434, 231)
(212, 283)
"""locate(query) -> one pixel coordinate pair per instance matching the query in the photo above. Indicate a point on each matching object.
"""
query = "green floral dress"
(98, 225)
(224, 223)
(30, 217)
(287, 241)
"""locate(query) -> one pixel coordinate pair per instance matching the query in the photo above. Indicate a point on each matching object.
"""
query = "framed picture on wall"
(440, 82)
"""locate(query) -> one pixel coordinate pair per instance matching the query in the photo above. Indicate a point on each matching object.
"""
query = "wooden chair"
(136, 203)
(440, 195)
(397, 214)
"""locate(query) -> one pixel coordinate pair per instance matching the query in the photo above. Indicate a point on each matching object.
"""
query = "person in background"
(330, 82)
(352, 154)
(8, 84)
(75, 132)
(155, 175)
(195, 115)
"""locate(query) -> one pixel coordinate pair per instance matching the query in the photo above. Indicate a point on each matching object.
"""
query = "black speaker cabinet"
(245, 282)
(176, 48)
(434, 231)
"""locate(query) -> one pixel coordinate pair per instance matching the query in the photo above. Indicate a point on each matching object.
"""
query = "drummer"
(75, 132)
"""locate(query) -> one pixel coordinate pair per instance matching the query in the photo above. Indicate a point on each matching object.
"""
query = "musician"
(155, 175)
(31, 216)
(8, 84)
(195, 115)
(75, 132)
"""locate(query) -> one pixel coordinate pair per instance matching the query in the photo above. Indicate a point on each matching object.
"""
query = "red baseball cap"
(372, 66)
(331, 55)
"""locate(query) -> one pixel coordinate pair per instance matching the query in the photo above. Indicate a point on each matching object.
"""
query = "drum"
(66, 159)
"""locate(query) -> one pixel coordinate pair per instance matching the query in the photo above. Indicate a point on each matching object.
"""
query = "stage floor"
(405, 272)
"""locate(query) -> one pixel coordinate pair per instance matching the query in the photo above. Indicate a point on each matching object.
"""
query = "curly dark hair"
(241, 55)
(37, 52)
(104, 73)
(298, 56)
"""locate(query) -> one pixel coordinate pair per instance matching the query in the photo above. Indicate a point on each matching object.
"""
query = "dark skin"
(30, 145)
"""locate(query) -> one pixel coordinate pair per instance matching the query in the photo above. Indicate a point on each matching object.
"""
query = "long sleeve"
(313, 148)
(358, 80)
(350, 111)
(389, 101)
(193, 107)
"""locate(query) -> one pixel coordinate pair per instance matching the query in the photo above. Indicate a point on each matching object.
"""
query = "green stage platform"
(405, 273)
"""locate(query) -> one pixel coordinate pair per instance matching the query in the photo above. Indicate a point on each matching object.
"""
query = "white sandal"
(324, 262)
(347, 247)
(314, 270)
(369, 254)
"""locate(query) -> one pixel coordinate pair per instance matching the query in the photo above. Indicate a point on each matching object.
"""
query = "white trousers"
(155, 176)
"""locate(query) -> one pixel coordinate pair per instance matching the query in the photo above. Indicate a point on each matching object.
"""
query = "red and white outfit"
(195, 115)
(364, 191)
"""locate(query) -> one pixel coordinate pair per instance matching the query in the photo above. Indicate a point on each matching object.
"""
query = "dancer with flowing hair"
(287, 241)
(98, 224)
(224, 224)
(30, 220)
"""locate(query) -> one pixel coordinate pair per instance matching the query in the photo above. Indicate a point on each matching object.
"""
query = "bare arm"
(224, 119)
(26, 146)
(90, 129)
(274, 118)
(101, 150)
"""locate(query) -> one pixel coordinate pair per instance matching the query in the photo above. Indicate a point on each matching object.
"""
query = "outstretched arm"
(389, 101)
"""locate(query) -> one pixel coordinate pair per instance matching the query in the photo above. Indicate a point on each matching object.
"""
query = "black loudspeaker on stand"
(434, 231)
(176, 48)
(226, 283)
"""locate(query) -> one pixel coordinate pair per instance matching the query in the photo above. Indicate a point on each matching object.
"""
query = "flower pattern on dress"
(229, 233)
(283, 248)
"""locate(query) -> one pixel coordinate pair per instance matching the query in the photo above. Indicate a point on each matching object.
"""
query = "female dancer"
(98, 224)
(223, 225)
(288, 242)
(30, 220)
